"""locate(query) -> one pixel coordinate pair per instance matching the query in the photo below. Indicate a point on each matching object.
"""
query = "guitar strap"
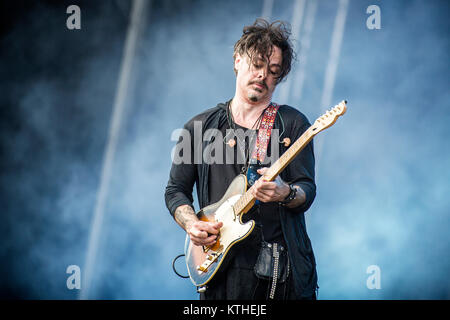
(262, 142)
(265, 129)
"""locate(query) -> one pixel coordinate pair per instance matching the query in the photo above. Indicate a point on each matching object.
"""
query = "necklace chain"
(232, 124)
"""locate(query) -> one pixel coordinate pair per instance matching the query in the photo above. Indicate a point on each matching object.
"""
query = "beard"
(256, 93)
(253, 97)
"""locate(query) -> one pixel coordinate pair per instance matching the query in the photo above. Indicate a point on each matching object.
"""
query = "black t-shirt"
(235, 158)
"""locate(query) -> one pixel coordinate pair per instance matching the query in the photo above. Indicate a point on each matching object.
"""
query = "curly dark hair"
(259, 39)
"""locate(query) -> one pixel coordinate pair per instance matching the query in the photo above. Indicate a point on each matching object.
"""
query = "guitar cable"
(175, 270)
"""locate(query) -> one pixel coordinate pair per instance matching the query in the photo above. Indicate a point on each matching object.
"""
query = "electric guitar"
(203, 262)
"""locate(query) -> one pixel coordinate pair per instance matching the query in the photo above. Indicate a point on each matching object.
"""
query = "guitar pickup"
(210, 258)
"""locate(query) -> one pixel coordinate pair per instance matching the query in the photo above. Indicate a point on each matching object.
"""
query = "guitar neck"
(287, 157)
(246, 201)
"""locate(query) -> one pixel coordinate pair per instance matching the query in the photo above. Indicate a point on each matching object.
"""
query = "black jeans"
(239, 282)
(242, 284)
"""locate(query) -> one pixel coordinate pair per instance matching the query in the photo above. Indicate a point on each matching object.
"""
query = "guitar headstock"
(329, 117)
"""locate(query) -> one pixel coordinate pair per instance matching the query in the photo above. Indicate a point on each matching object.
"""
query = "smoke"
(382, 175)
(58, 100)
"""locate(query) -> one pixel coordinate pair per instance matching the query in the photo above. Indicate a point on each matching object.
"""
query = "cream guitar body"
(203, 262)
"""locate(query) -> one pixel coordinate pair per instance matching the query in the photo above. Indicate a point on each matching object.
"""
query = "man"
(262, 59)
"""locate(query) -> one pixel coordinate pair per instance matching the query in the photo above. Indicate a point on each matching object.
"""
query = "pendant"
(287, 142)
(231, 143)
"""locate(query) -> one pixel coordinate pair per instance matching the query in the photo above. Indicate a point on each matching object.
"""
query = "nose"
(262, 73)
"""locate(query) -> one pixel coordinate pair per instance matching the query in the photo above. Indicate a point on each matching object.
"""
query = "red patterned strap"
(265, 129)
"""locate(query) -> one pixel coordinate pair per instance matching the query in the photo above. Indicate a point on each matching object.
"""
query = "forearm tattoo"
(184, 215)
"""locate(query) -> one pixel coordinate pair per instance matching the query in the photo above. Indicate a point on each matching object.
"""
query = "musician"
(262, 59)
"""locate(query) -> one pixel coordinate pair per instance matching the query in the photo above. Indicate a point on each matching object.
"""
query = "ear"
(237, 62)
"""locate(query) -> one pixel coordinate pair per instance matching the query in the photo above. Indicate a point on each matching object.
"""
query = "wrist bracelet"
(290, 196)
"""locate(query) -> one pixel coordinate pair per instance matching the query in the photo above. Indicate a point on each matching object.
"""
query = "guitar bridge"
(210, 259)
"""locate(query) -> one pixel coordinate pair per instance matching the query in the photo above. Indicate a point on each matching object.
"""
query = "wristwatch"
(290, 196)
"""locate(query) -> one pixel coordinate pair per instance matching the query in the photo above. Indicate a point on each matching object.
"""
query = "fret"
(289, 155)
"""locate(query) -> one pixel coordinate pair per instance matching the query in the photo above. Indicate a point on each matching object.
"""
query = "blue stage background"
(382, 170)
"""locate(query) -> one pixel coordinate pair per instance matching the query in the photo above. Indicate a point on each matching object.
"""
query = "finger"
(266, 192)
(267, 185)
(262, 171)
(212, 227)
(258, 191)
(197, 233)
(262, 196)
(211, 240)
(204, 241)
(217, 225)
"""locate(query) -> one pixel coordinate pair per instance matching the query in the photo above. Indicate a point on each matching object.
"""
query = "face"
(256, 80)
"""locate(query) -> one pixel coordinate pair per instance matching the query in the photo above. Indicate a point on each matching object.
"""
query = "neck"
(246, 112)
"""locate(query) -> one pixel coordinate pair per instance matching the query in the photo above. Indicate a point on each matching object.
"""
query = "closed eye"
(275, 72)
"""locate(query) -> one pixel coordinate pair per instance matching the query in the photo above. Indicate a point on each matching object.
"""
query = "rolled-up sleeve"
(182, 177)
(301, 171)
